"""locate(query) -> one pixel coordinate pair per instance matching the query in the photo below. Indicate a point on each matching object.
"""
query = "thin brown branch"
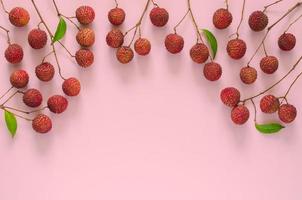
(226, 4)
(292, 23)
(20, 116)
(11, 96)
(3, 7)
(271, 4)
(182, 19)
(292, 84)
(7, 34)
(2, 96)
(25, 112)
(241, 19)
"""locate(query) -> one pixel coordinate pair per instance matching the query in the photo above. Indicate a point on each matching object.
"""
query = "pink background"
(154, 129)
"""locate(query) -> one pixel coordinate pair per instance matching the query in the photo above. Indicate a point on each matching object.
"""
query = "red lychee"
(14, 53)
(248, 75)
(85, 15)
(32, 98)
(124, 54)
(258, 20)
(287, 113)
(86, 37)
(240, 115)
(174, 43)
(71, 87)
(269, 104)
(19, 17)
(115, 38)
(230, 96)
(116, 16)
(222, 18)
(142, 46)
(159, 16)
(199, 53)
(84, 57)
(42, 124)
(57, 104)
(287, 41)
(269, 64)
(37, 38)
(19, 79)
(45, 71)
(212, 71)
(236, 48)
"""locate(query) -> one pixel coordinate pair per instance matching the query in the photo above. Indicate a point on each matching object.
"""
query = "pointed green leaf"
(11, 122)
(212, 41)
(61, 30)
(269, 128)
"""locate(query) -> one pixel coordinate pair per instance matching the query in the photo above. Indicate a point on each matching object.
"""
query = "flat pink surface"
(154, 129)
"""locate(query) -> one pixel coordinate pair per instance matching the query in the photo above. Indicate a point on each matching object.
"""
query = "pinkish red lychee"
(37, 38)
(32, 98)
(19, 17)
(240, 114)
(287, 41)
(258, 21)
(115, 38)
(159, 16)
(269, 64)
(124, 54)
(287, 113)
(86, 37)
(174, 43)
(57, 104)
(230, 96)
(199, 53)
(222, 18)
(45, 71)
(236, 48)
(116, 16)
(212, 71)
(84, 57)
(19, 79)
(71, 87)
(85, 15)
(42, 124)
(14, 54)
(269, 104)
(142, 46)
(248, 75)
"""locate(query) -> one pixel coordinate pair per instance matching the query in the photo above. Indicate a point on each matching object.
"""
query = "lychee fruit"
(269, 104)
(86, 37)
(42, 124)
(174, 43)
(199, 53)
(19, 79)
(57, 104)
(222, 18)
(287, 41)
(19, 17)
(142, 46)
(287, 113)
(37, 38)
(240, 114)
(212, 71)
(32, 98)
(84, 57)
(258, 21)
(248, 75)
(269, 64)
(71, 87)
(85, 15)
(124, 54)
(45, 71)
(230, 96)
(116, 16)
(115, 38)
(159, 16)
(236, 48)
(14, 53)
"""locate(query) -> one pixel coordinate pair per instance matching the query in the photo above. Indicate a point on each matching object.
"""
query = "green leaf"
(269, 128)
(11, 122)
(212, 41)
(61, 30)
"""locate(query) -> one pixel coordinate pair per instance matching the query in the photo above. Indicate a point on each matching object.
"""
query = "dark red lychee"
(258, 20)
(71, 87)
(42, 124)
(174, 43)
(287, 113)
(116, 16)
(45, 71)
(287, 41)
(212, 71)
(32, 98)
(19, 79)
(230, 96)
(85, 15)
(159, 16)
(269, 104)
(84, 57)
(37, 38)
(199, 53)
(240, 115)
(86, 37)
(269, 64)
(57, 104)
(142, 46)
(248, 75)
(14, 53)
(222, 18)
(19, 17)
(124, 54)
(115, 38)
(236, 48)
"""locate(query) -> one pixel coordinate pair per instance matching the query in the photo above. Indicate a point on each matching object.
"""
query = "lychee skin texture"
(57, 104)
(19, 79)
(45, 71)
(212, 71)
(32, 98)
(19, 17)
(71, 87)
(269, 64)
(115, 38)
(86, 37)
(174, 43)
(287, 41)
(199, 53)
(248, 75)
(230, 96)
(159, 16)
(124, 54)
(85, 15)
(84, 57)
(142, 46)
(37, 38)
(240, 115)
(269, 104)
(42, 124)
(116, 16)
(287, 113)
(14, 54)
(222, 18)
(236, 48)
(258, 21)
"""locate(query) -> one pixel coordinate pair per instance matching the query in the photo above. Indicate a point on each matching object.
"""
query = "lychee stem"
(291, 85)
(11, 96)
(44, 58)
(7, 34)
(26, 112)
(241, 19)
(61, 15)
(292, 23)
(255, 110)
(154, 4)
(116, 3)
(182, 19)
(271, 4)
(199, 36)
(226, 4)
(6, 92)
(264, 49)
(3, 7)
(20, 116)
